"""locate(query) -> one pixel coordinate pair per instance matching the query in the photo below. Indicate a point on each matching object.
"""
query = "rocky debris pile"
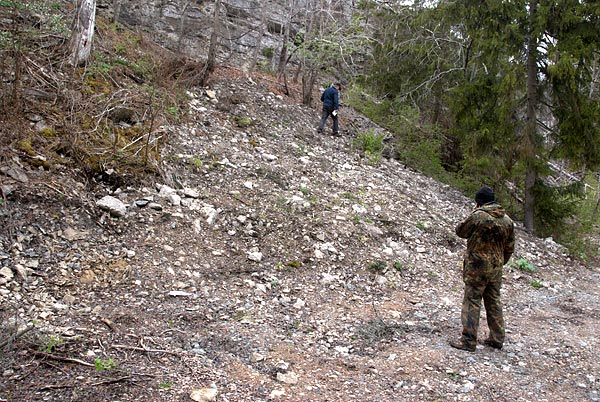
(272, 263)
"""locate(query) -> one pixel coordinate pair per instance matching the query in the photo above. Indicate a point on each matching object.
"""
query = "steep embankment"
(285, 268)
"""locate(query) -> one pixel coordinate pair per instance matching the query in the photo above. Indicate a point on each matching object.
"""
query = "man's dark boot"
(462, 345)
(492, 344)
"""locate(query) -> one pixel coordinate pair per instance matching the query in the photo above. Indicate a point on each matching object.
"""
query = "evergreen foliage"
(513, 83)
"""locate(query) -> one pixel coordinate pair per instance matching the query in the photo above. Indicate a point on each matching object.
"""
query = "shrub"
(523, 265)
(371, 144)
(536, 284)
(267, 52)
(376, 330)
(377, 266)
(104, 365)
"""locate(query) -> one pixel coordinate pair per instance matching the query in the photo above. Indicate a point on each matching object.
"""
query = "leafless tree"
(213, 46)
(182, 27)
(287, 26)
(80, 45)
(116, 10)
(261, 34)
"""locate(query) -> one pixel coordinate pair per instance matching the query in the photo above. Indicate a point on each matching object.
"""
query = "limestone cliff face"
(185, 26)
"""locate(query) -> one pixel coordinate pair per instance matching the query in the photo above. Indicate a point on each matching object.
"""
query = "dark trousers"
(327, 110)
(471, 307)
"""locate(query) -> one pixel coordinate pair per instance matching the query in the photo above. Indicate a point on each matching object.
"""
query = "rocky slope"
(271, 263)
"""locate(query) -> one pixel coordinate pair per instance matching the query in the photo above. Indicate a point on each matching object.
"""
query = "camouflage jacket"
(490, 241)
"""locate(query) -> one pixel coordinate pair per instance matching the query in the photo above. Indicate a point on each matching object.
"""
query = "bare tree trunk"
(308, 82)
(261, 34)
(309, 75)
(116, 10)
(595, 212)
(82, 37)
(182, 28)
(297, 73)
(284, 50)
(531, 127)
(16, 95)
(283, 55)
(18, 61)
(214, 43)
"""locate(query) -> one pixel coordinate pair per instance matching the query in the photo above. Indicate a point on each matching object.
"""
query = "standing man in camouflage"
(490, 243)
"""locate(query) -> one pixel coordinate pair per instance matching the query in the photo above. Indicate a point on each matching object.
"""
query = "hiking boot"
(492, 344)
(319, 131)
(337, 134)
(462, 345)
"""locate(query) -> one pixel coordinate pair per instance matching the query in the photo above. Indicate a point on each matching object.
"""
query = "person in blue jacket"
(331, 105)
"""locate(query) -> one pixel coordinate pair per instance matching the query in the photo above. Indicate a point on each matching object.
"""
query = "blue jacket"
(331, 98)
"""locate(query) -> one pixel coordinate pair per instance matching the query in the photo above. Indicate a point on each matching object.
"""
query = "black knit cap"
(484, 195)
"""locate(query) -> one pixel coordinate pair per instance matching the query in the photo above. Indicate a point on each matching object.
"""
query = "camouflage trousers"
(475, 291)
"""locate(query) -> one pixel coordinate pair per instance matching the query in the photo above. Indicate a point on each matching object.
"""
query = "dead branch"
(174, 330)
(56, 386)
(112, 380)
(111, 325)
(139, 138)
(145, 350)
(55, 189)
(17, 335)
(60, 358)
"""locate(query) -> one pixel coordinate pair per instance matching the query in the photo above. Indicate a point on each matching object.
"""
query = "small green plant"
(293, 264)
(523, 265)
(143, 68)
(421, 226)
(165, 385)
(240, 315)
(100, 66)
(398, 266)
(377, 266)
(267, 52)
(196, 162)
(51, 343)
(173, 112)
(120, 61)
(121, 48)
(536, 284)
(284, 205)
(104, 365)
(302, 149)
(348, 196)
(453, 375)
(243, 122)
(304, 190)
(274, 283)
